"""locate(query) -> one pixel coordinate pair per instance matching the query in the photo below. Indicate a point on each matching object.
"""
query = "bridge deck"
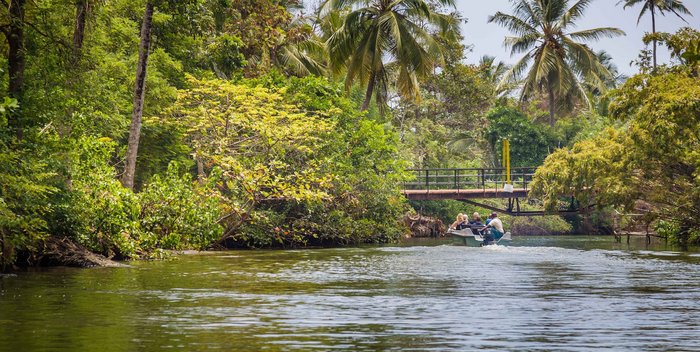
(457, 194)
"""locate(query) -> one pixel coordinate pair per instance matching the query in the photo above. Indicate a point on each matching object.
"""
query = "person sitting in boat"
(464, 224)
(476, 220)
(459, 222)
(476, 225)
(495, 226)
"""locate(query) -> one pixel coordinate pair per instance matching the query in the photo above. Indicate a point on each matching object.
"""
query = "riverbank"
(426, 231)
(55, 251)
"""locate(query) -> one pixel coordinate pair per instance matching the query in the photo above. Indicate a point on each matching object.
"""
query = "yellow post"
(506, 159)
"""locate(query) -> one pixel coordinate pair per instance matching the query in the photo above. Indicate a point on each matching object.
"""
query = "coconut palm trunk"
(370, 91)
(552, 108)
(139, 94)
(653, 31)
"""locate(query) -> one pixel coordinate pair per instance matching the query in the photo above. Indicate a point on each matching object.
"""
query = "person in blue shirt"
(475, 221)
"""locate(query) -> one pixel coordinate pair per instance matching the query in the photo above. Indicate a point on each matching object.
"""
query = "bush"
(25, 188)
(530, 143)
(172, 212)
(539, 225)
(310, 168)
(100, 213)
(177, 212)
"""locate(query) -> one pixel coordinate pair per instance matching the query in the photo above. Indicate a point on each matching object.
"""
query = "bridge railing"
(457, 179)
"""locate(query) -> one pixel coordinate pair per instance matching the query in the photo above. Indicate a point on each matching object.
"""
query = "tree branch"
(52, 38)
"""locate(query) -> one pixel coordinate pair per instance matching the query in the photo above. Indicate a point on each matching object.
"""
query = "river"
(540, 294)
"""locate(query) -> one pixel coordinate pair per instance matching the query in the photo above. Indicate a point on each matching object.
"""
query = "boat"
(471, 238)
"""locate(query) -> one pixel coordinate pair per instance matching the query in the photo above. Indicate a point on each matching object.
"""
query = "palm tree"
(301, 52)
(674, 6)
(493, 71)
(381, 38)
(557, 62)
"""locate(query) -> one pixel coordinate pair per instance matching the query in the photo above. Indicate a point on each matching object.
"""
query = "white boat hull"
(470, 238)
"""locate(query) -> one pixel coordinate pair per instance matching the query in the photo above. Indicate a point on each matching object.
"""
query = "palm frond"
(420, 52)
(553, 10)
(677, 8)
(553, 61)
(304, 58)
(407, 85)
(512, 23)
(574, 13)
(384, 39)
(521, 44)
(344, 42)
(531, 12)
(513, 74)
(360, 60)
(597, 34)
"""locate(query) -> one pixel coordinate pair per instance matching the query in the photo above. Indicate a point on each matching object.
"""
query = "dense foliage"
(131, 127)
(227, 153)
(650, 165)
(295, 158)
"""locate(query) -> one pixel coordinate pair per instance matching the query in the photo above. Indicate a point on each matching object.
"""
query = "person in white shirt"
(496, 226)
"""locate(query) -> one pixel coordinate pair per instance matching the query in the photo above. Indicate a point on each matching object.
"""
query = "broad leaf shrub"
(177, 212)
(652, 159)
(102, 214)
(26, 185)
(171, 212)
(301, 164)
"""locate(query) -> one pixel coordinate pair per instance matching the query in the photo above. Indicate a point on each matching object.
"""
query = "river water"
(541, 294)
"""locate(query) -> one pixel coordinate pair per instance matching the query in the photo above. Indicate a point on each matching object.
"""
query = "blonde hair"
(476, 216)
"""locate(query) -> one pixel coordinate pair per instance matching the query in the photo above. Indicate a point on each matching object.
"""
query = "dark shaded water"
(544, 294)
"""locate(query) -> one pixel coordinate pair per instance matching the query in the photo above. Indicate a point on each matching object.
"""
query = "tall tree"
(557, 62)
(16, 62)
(381, 38)
(674, 6)
(82, 7)
(139, 93)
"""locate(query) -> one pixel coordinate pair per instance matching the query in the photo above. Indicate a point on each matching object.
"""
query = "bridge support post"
(427, 180)
(510, 205)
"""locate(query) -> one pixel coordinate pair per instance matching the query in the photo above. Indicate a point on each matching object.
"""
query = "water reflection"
(541, 295)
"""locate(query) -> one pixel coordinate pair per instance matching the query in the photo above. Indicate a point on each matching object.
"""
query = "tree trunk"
(551, 107)
(200, 170)
(139, 91)
(370, 90)
(81, 10)
(15, 41)
(16, 60)
(653, 31)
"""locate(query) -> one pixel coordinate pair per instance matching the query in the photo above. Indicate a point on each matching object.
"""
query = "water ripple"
(422, 298)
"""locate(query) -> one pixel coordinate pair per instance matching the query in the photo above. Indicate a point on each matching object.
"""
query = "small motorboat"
(471, 238)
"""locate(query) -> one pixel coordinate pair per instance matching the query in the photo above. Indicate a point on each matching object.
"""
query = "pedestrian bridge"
(472, 185)
(457, 184)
